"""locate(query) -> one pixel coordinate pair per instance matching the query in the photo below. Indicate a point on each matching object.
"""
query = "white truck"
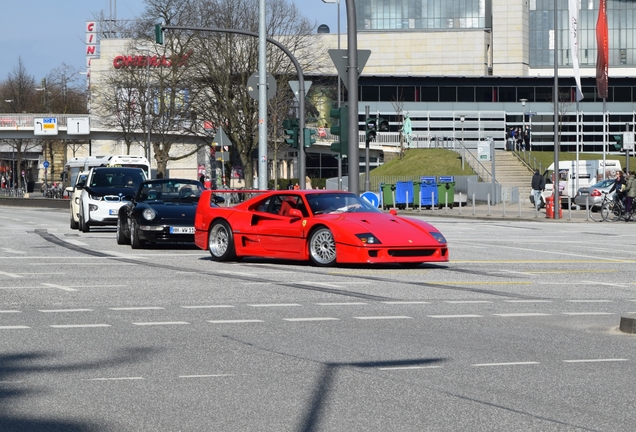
(589, 172)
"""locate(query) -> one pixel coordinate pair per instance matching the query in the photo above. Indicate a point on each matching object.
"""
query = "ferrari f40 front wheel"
(322, 248)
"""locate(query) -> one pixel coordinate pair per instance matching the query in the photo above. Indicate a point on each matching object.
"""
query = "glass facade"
(373, 15)
(621, 17)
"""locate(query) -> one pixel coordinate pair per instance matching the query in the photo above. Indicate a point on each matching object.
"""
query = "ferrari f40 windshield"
(338, 203)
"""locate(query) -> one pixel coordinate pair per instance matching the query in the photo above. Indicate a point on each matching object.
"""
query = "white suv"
(105, 191)
(74, 193)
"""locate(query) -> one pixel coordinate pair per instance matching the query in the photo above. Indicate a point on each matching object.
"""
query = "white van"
(589, 172)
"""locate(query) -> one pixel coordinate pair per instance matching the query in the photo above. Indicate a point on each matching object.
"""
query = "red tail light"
(596, 193)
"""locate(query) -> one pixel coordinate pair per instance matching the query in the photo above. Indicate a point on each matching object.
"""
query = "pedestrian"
(538, 185)
(296, 186)
(630, 190)
(526, 138)
(202, 178)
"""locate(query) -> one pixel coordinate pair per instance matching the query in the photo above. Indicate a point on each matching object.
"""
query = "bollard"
(446, 203)
(520, 207)
(587, 206)
(393, 195)
(460, 203)
(569, 208)
(473, 204)
(420, 199)
(406, 206)
(433, 201)
(503, 203)
(488, 204)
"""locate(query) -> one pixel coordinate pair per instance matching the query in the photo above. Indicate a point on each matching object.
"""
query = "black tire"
(74, 225)
(611, 211)
(322, 248)
(221, 241)
(135, 242)
(83, 226)
(595, 214)
(123, 237)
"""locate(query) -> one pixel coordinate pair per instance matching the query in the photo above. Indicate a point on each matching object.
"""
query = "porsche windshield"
(324, 203)
(170, 190)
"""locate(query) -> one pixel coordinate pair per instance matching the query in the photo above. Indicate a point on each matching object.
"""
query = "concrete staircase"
(509, 172)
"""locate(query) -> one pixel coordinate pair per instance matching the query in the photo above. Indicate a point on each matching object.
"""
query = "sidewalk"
(511, 212)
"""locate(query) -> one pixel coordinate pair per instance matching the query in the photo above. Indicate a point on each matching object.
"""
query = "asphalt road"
(518, 332)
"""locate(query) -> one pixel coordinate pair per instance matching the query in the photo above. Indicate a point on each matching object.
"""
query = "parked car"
(74, 193)
(161, 211)
(105, 191)
(593, 193)
(324, 227)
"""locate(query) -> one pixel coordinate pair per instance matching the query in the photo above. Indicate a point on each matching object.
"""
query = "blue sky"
(47, 33)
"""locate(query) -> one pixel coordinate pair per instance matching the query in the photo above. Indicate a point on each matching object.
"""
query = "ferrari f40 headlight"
(368, 238)
(438, 236)
(149, 214)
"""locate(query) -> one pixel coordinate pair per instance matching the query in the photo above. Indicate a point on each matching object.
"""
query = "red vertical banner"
(602, 43)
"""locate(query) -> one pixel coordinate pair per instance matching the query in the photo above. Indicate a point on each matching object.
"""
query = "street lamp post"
(339, 156)
(148, 123)
(523, 122)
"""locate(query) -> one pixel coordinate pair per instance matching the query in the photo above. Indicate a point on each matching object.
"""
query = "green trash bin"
(445, 191)
(386, 192)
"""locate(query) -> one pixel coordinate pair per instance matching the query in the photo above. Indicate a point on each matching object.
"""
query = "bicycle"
(613, 209)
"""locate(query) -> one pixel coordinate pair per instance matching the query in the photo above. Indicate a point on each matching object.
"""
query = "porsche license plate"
(181, 230)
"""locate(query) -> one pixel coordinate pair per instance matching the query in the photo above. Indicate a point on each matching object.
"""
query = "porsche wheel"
(322, 248)
(221, 241)
(122, 239)
(135, 242)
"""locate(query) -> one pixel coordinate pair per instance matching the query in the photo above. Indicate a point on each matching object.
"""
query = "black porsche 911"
(162, 211)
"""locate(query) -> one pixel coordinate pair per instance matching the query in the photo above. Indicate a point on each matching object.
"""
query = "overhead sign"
(45, 126)
(340, 59)
(78, 126)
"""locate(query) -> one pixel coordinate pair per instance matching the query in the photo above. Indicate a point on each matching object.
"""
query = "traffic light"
(290, 127)
(308, 139)
(159, 33)
(370, 129)
(341, 130)
(619, 141)
(383, 125)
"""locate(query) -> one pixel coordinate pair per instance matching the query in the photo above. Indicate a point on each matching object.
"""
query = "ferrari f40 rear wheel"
(322, 248)
(221, 241)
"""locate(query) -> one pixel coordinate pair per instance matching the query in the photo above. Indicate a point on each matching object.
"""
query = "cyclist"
(619, 186)
(630, 190)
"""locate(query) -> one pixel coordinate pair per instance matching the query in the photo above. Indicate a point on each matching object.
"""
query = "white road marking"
(65, 310)
(274, 304)
(529, 314)
(595, 360)
(466, 301)
(10, 311)
(64, 288)
(12, 275)
(61, 326)
(456, 316)
(506, 364)
(409, 367)
(161, 323)
(235, 321)
(114, 379)
(206, 376)
(589, 301)
(342, 304)
(528, 301)
(136, 308)
(587, 313)
(207, 306)
(405, 302)
(75, 242)
(311, 319)
(13, 327)
(13, 251)
(382, 317)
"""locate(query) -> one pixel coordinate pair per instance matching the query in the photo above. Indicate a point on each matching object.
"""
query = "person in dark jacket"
(538, 185)
(619, 186)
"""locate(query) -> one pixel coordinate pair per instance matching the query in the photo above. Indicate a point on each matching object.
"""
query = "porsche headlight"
(438, 236)
(368, 238)
(149, 214)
